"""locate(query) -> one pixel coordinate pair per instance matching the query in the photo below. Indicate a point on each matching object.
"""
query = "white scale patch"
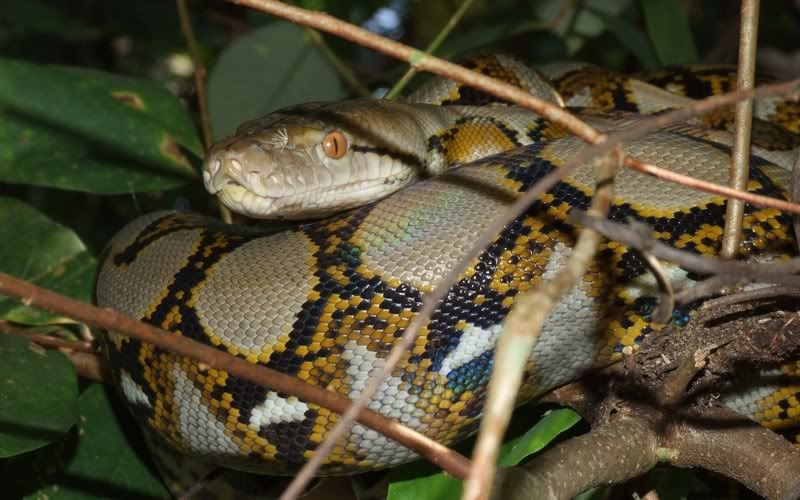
(391, 400)
(381, 449)
(275, 409)
(568, 343)
(742, 395)
(474, 341)
(201, 432)
(581, 99)
(647, 286)
(766, 107)
(132, 392)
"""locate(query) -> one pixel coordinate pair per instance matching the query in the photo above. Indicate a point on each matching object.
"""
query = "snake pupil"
(335, 144)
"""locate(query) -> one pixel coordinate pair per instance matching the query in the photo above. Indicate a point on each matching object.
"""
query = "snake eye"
(335, 144)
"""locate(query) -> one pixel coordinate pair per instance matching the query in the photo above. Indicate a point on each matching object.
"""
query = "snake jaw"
(282, 172)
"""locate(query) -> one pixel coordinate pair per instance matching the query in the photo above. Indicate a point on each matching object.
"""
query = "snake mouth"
(267, 182)
(309, 204)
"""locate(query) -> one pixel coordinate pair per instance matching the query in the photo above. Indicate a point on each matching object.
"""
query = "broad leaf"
(630, 36)
(267, 69)
(96, 460)
(577, 26)
(411, 482)
(44, 252)
(38, 395)
(91, 131)
(669, 31)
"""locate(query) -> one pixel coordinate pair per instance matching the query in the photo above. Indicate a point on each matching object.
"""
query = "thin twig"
(709, 187)
(201, 484)
(398, 87)
(714, 285)
(108, 319)
(200, 88)
(345, 71)
(666, 301)
(47, 340)
(521, 330)
(418, 59)
(781, 272)
(199, 69)
(796, 196)
(89, 366)
(329, 24)
(83, 355)
(769, 292)
(743, 122)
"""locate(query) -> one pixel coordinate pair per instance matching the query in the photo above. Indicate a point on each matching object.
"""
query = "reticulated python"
(325, 302)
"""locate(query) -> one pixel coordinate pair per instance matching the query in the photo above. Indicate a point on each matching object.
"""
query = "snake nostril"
(214, 167)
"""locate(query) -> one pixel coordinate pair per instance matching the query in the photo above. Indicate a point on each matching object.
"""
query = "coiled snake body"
(325, 302)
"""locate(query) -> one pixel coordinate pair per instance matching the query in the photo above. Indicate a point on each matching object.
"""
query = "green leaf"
(581, 24)
(91, 131)
(539, 436)
(267, 69)
(94, 461)
(488, 35)
(632, 38)
(43, 252)
(38, 396)
(419, 481)
(669, 31)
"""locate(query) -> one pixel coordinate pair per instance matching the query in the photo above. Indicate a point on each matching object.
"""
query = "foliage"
(98, 124)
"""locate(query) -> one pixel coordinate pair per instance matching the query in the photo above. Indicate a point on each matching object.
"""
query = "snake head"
(304, 162)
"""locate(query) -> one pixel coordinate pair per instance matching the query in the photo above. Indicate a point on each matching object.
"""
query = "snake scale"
(326, 301)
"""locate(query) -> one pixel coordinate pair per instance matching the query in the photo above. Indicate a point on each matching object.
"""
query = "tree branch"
(638, 235)
(661, 405)
(612, 453)
(721, 440)
(48, 340)
(521, 330)
(398, 87)
(107, 319)
(200, 87)
(743, 122)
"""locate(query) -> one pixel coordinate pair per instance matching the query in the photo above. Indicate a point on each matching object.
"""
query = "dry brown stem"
(521, 330)
(661, 405)
(200, 87)
(637, 235)
(90, 366)
(107, 319)
(48, 340)
(796, 195)
(743, 123)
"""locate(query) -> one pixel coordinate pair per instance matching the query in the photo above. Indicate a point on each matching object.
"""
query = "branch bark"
(107, 319)
(521, 330)
(743, 122)
(638, 235)
(661, 405)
